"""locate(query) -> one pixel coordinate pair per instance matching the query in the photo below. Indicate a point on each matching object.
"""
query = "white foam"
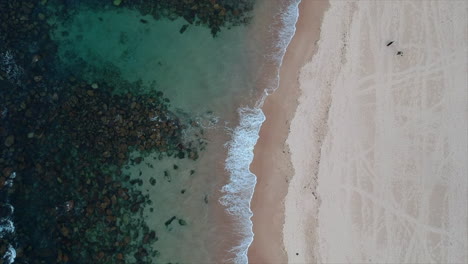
(9, 181)
(8, 227)
(287, 18)
(10, 255)
(8, 65)
(239, 191)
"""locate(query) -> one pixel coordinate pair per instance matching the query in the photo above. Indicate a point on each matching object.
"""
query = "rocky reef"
(215, 14)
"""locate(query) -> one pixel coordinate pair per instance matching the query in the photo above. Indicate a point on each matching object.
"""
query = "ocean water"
(198, 207)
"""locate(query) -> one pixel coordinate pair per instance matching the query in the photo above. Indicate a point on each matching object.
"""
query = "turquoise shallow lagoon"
(190, 192)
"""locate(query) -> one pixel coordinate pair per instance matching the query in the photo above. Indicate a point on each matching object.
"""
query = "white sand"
(382, 139)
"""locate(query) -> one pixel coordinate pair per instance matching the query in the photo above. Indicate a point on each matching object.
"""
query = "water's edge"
(239, 191)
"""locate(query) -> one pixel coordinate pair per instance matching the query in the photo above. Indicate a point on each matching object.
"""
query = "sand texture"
(271, 162)
(379, 141)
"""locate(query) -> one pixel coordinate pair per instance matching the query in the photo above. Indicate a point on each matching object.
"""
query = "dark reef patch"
(213, 14)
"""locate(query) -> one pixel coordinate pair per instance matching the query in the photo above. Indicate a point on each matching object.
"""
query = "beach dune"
(379, 139)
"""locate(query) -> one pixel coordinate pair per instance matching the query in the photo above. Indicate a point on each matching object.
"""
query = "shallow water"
(205, 78)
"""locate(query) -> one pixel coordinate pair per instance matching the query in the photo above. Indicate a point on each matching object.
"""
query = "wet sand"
(271, 161)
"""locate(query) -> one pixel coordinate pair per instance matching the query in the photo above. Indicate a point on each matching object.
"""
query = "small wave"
(8, 65)
(286, 21)
(7, 227)
(239, 191)
(10, 255)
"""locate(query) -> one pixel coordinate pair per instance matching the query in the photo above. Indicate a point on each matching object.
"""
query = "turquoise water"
(197, 72)
(199, 207)
(206, 79)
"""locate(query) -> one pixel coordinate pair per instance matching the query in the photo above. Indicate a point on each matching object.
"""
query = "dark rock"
(138, 160)
(168, 222)
(7, 171)
(135, 208)
(9, 141)
(183, 28)
(167, 176)
(181, 155)
(152, 235)
(152, 181)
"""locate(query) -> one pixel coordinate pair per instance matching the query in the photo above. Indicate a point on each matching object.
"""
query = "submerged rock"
(183, 28)
(9, 141)
(168, 222)
(152, 181)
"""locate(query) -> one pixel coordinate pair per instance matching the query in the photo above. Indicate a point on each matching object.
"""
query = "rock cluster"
(214, 14)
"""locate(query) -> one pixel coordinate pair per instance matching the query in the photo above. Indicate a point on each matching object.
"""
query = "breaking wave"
(7, 226)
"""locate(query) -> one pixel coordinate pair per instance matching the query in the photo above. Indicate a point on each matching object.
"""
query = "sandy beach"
(374, 168)
(272, 180)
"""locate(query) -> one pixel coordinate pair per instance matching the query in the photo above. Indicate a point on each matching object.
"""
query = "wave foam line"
(287, 19)
(7, 226)
(10, 255)
(239, 191)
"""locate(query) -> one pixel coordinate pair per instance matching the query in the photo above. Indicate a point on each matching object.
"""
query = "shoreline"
(272, 181)
(372, 135)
